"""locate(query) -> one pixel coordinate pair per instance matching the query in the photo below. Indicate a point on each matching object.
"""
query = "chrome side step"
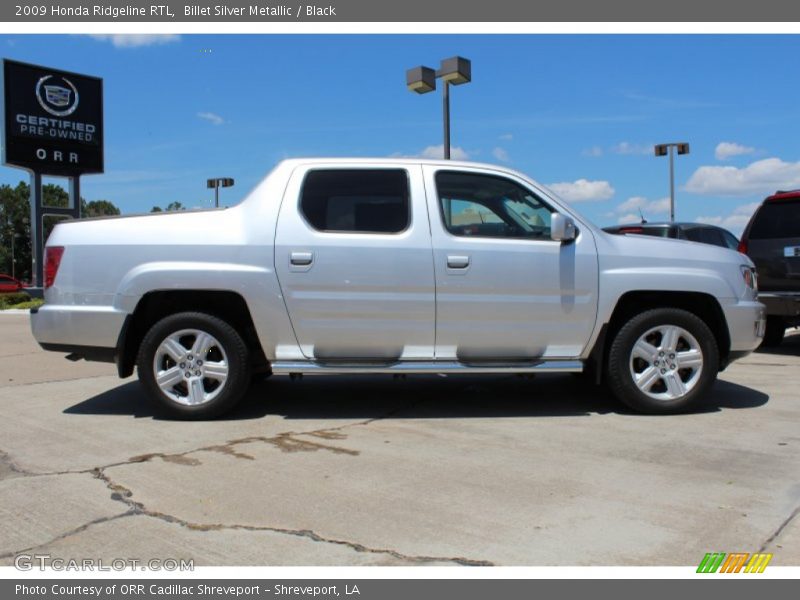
(312, 367)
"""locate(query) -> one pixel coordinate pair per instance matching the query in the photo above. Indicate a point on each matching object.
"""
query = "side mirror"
(562, 228)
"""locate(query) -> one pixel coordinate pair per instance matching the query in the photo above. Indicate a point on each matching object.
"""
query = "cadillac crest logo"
(57, 95)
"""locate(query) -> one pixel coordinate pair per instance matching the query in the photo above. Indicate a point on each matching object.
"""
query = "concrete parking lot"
(481, 470)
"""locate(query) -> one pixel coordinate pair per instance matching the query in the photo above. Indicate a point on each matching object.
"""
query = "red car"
(8, 284)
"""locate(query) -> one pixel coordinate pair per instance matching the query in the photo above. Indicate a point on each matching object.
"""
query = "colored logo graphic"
(58, 100)
(736, 562)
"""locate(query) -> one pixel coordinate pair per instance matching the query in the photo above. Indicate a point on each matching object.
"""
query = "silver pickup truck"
(334, 266)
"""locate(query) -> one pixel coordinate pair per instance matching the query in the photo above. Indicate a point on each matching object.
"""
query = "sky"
(578, 113)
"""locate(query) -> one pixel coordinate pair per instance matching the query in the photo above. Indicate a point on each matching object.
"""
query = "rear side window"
(730, 241)
(356, 200)
(706, 235)
(778, 219)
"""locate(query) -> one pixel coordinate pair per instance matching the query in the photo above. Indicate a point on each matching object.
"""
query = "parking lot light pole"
(663, 150)
(13, 258)
(217, 183)
(452, 71)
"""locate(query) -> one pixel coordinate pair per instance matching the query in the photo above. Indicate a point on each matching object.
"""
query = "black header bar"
(441, 11)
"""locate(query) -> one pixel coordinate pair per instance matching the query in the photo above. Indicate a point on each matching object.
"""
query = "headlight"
(750, 278)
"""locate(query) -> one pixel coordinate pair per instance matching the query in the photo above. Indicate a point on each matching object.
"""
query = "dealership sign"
(53, 120)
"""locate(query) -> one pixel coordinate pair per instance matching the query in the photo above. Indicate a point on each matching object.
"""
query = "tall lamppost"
(663, 150)
(217, 183)
(13, 235)
(11, 232)
(452, 71)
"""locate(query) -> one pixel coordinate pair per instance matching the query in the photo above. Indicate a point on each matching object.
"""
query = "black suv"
(694, 232)
(772, 241)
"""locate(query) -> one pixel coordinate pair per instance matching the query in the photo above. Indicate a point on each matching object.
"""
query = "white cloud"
(437, 152)
(629, 148)
(634, 203)
(709, 220)
(629, 218)
(725, 150)
(760, 177)
(212, 118)
(583, 190)
(507, 137)
(501, 154)
(746, 209)
(736, 221)
(658, 206)
(594, 151)
(124, 40)
(648, 207)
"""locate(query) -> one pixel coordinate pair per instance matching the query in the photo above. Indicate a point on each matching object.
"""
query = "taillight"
(52, 260)
(750, 277)
(742, 247)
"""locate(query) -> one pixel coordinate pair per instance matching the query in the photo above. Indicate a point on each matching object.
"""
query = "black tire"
(774, 332)
(621, 364)
(228, 345)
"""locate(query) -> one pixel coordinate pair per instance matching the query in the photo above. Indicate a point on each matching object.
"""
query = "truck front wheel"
(194, 365)
(663, 361)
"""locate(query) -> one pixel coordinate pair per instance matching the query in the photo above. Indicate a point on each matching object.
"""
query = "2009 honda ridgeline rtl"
(393, 266)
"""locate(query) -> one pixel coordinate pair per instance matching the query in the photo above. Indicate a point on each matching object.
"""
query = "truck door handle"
(457, 262)
(301, 259)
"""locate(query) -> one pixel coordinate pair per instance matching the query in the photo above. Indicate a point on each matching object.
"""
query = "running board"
(322, 368)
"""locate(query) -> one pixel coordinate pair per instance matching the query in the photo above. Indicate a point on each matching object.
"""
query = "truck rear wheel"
(663, 361)
(194, 365)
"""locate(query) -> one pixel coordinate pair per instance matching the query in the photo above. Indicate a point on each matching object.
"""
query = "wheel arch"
(155, 305)
(631, 303)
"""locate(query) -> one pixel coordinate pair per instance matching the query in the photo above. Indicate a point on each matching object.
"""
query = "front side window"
(487, 206)
(356, 200)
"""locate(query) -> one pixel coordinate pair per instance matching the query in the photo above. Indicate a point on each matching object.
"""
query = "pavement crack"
(124, 495)
(49, 381)
(67, 534)
(20, 354)
(5, 459)
(776, 534)
(286, 441)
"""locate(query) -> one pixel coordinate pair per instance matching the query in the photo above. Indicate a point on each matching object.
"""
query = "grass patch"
(32, 303)
(19, 300)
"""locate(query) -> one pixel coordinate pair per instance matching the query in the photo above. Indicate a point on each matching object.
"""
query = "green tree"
(15, 227)
(57, 197)
(15, 230)
(98, 208)
(172, 206)
(54, 195)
